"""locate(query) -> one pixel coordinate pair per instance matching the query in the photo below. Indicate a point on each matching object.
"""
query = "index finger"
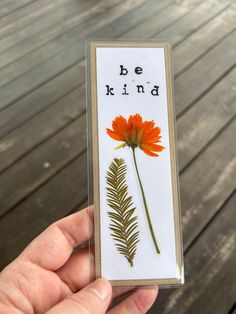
(53, 247)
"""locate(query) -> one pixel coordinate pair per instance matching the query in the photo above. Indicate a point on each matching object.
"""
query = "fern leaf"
(123, 226)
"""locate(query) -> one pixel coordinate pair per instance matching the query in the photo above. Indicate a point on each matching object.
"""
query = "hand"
(48, 277)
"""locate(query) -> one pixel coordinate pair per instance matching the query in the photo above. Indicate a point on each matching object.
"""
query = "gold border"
(173, 152)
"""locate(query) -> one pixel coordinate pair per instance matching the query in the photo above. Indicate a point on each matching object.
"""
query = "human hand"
(49, 278)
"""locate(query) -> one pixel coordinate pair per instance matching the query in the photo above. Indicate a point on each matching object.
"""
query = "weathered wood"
(44, 161)
(25, 64)
(13, 116)
(12, 91)
(57, 117)
(62, 61)
(43, 97)
(12, 6)
(27, 15)
(208, 183)
(188, 24)
(203, 40)
(73, 7)
(44, 207)
(164, 18)
(76, 35)
(192, 84)
(58, 33)
(100, 15)
(210, 271)
(204, 120)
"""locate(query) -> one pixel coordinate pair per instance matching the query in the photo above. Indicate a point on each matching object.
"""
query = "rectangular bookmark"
(135, 178)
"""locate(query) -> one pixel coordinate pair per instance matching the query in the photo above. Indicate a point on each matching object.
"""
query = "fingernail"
(100, 288)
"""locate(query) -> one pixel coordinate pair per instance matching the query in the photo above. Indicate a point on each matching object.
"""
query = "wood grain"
(27, 15)
(203, 40)
(59, 15)
(11, 6)
(214, 65)
(189, 23)
(206, 119)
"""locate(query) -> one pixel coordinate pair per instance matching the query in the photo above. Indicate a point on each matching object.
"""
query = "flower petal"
(149, 153)
(114, 135)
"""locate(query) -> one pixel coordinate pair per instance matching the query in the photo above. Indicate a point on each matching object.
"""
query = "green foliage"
(123, 222)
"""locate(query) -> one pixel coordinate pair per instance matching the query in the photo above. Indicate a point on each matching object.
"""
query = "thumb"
(94, 299)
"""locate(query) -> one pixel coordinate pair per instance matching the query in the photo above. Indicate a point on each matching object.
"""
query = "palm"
(47, 273)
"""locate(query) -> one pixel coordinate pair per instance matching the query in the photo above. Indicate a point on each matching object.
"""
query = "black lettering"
(123, 70)
(140, 88)
(155, 90)
(109, 90)
(125, 90)
(138, 70)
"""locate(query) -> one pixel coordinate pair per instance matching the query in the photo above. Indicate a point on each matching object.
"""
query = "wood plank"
(45, 207)
(44, 162)
(14, 70)
(57, 116)
(204, 120)
(27, 15)
(164, 18)
(60, 14)
(210, 271)
(24, 64)
(58, 33)
(4, 2)
(14, 116)
(74, 34)
(188, 24)
(192, 84)
(101, 10)
(12, 6)
(203, 40)
(67, 58)
(19, 87)
(43, 97)
(208, 183)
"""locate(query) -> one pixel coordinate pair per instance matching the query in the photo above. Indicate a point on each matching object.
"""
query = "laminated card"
(134, 164)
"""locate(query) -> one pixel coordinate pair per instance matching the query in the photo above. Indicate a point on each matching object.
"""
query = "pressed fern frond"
(123, 222)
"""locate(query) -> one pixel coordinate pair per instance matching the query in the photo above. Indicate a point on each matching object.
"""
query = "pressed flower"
(136, 133)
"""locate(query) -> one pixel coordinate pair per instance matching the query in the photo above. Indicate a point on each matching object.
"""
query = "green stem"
(145, 204)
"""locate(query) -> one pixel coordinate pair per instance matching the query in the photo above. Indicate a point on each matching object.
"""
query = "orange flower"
(135, 132)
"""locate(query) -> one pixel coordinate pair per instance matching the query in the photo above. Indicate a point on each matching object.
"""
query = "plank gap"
(203, 54)
(208, 223)
(232, 309)
(205, 92)
(42, 184)
(41, 143)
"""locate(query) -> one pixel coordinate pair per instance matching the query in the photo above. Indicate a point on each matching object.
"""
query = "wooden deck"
(43, 131)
